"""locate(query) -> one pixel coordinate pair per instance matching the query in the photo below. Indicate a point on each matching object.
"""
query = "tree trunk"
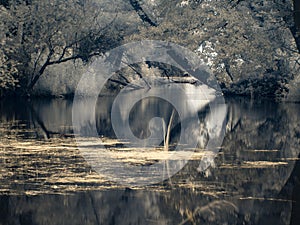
(297, 14)
(41, 71)
(297, 22)
(142, 14)
(37, 77)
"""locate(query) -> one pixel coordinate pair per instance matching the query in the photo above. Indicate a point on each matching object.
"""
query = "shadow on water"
(254, 178)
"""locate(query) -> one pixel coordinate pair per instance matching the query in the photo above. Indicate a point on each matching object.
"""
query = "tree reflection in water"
(252, 180)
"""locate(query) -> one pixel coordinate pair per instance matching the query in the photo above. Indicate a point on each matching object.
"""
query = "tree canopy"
(37, 34)
(247, 44)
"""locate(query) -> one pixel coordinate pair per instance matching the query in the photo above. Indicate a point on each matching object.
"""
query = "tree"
(297, 22)
(141, 12)
(43, 33)
(297, 13)
(8, 67)
(247, 44)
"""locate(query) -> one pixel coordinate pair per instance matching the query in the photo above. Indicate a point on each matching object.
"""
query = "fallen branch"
(126, 84)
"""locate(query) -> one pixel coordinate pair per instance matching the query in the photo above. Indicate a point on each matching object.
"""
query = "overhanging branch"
(142, 14)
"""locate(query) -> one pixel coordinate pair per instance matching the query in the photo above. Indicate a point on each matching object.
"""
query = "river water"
(252, 178)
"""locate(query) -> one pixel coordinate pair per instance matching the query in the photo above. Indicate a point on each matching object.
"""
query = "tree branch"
(71, 58)
(36, 62)
(41, 71)
(142, 14)
(140, 75)
(126, 84)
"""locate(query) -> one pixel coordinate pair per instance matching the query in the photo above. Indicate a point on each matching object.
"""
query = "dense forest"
(252, 47)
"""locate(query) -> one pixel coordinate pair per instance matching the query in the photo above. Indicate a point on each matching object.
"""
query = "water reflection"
(164, 117)
(252, 180)
(180, 206)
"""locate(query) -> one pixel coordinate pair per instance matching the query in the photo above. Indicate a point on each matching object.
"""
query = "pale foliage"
(44, 33)
(240, 41)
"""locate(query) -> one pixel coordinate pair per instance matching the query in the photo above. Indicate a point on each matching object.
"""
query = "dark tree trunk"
(37, 77)
(142, 14)
(297, 22)
(41, 71)
(297, 14)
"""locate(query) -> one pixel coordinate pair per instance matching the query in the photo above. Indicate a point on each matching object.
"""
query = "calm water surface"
(253, 178)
